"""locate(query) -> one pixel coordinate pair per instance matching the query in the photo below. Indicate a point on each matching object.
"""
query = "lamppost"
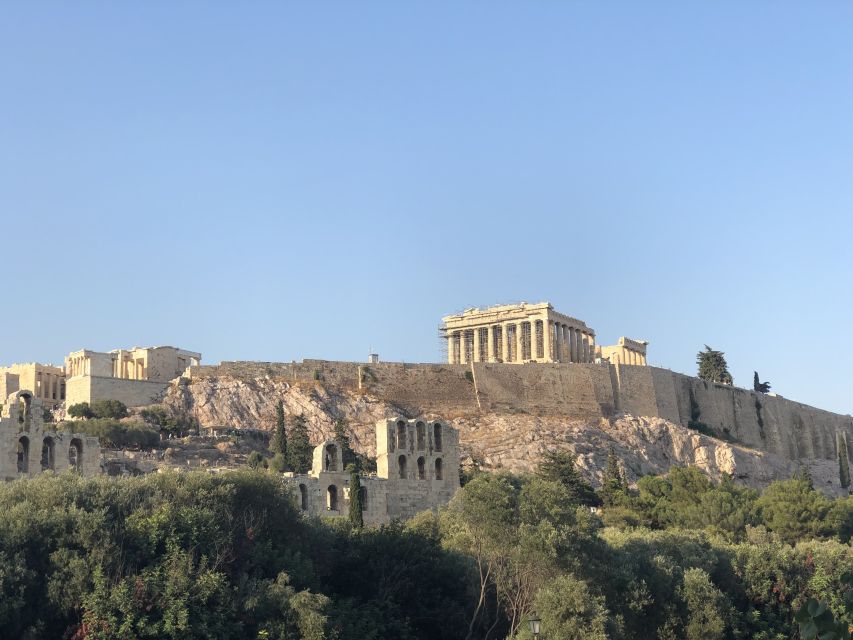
(534, 621)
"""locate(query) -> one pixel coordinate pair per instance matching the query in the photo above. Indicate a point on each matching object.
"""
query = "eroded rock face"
(495, 440)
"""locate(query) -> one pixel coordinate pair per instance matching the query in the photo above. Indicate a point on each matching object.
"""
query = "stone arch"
(332, 498)
(420, 429)
(421, 468)
(75, 454)
(439, 469)
(25, 408)
(23, 454)
(401, 463)
(303, 497)
(48, 454)
(401, 434)
(330, 457)
(436, 436)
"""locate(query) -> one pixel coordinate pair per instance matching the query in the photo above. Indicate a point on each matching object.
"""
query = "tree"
(255, 460)
(707, 607)
(356, 517)
(80, 410)
(713, 367)
(559, 466)
(278, 444)
(613, 485)
(109, 409)
(569, 610)
(299, 452)
(759, 387)
(794, 510)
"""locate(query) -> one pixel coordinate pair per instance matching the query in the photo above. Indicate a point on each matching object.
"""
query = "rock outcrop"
(495, 440)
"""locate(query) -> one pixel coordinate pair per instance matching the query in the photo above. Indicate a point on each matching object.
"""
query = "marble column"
(518, 336)
(506, 343)
(490, 345)
(546, 341)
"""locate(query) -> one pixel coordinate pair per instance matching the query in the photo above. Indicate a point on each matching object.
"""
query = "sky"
(277, 181)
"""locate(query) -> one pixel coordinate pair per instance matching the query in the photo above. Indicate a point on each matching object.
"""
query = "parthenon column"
(585, 347)
(557, 343)
(490, 343)
(505, 340)
(546, 341)
(573, 345)
(567, 343)
(518, 336)
(476, 356)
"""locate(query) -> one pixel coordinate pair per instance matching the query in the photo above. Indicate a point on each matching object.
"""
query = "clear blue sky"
(275, 181)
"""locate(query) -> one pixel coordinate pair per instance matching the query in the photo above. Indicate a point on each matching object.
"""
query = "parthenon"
(517, 333)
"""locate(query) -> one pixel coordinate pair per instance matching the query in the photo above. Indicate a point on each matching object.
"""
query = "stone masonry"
(417, 469)
(27, 448)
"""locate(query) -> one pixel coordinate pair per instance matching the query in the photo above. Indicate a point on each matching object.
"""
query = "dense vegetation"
(205, 556)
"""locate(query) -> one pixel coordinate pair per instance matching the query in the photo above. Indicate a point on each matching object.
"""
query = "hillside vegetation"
(195, 555)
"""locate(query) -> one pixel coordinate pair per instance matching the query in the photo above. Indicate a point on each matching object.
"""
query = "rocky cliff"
(504, 438)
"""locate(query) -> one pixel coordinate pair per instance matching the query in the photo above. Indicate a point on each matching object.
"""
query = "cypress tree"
(299, 450)
(356, 516)
(278, 444)
(559, 466)
(613, 485)
(843, 462)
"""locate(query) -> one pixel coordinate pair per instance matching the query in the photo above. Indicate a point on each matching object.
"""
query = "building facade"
(626, 351)
(27, 448)
(417, 469)
(517, 333)
(135, 376)
(45, 381)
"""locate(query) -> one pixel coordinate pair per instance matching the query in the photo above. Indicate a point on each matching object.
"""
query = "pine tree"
(559, 466)
(713, 367)
(356, 516)
(278, 444)
(299, 452)
(613, 485)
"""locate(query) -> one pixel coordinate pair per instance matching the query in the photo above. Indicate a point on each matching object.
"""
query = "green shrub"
(256, 460)
(109, 409)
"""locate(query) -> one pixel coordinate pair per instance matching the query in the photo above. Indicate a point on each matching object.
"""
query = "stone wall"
(579, 391)
(133, 393)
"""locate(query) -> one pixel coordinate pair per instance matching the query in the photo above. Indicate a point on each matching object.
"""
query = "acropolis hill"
(521, 379)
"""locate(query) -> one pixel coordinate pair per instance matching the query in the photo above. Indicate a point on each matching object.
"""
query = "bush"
(80, 410)
(277, 463)
(109, 409)
(256, 460)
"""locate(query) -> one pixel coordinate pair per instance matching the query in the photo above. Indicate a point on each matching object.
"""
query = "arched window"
(421, 468)
(401, 462)
(24, 455)
(332, 498)
(401, 435)
(75, 454)
(303, 497)
(331, 458)
(439, 471)
(47, 455)
(421, 431)
(436, 437)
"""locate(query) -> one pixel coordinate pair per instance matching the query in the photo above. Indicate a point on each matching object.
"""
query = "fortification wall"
(581, 391)
(133, 393)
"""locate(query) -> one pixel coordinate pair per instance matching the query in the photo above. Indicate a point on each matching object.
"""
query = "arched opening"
(421, 432)
(75, 454)
(303, 497)
(331, 458)
(362, 494)
(401, 463)
(25, 409)
(421, 468)
(436, 436)
(332, 498)
(48, 461)
(401, 435)
(23, 454)
(439, 470)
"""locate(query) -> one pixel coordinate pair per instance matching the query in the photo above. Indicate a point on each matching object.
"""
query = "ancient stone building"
(27, 448)
(517, 333)
(417, 469)
(626, 351)
(46, 381)
(134, 376)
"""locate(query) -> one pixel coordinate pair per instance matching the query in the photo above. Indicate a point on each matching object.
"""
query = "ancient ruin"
(46, 381)
(417, 469)
(520, 333)
(27, 448)
(134, 376)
